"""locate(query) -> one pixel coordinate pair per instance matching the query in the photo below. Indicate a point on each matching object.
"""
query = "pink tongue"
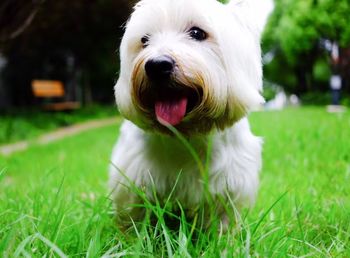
(171, 112)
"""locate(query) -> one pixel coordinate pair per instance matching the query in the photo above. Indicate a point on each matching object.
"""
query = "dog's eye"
(144, 40)
(197, 34)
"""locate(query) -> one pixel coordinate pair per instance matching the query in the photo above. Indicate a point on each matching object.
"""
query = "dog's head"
(192, 64)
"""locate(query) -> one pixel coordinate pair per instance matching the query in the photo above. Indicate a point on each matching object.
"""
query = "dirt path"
(59, 134)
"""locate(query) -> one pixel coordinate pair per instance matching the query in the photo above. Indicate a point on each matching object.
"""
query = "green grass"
(54, 200)
(20, 124)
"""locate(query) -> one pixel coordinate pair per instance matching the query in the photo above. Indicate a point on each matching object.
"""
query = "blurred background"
(306, 47)
(74, 42)
(58, 63)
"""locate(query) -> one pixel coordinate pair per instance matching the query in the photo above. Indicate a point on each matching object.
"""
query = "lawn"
(23, 124)
(54, 200)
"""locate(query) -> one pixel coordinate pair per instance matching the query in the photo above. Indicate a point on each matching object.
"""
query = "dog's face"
(191, 64)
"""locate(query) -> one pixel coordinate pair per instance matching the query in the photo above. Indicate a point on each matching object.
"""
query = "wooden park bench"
(53, 93)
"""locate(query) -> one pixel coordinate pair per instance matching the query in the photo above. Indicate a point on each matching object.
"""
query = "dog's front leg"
(129, 207)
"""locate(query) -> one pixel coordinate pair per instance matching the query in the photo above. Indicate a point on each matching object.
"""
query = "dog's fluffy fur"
(223, 72)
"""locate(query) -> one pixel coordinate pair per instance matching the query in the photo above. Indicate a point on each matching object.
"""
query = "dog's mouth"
(171, 104)
(171, 110)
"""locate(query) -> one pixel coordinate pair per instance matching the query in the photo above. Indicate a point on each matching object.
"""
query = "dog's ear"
(254, 12)
(242, 57)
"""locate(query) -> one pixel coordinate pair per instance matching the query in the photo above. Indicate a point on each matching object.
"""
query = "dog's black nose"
(160, 68)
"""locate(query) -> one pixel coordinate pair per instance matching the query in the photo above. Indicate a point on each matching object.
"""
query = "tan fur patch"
(206, 114)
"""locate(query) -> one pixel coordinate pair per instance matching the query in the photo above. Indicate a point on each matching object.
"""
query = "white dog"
(193, 65)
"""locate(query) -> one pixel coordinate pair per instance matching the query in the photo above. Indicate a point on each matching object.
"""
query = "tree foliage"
(294, 32)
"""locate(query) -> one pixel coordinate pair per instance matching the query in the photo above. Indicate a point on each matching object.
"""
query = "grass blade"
(21, 247)
(52, 246)
(267, 212)
(2, 173)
